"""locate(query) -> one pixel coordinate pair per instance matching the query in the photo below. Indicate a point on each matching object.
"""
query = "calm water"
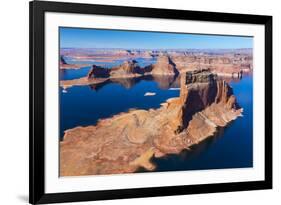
(230, 148)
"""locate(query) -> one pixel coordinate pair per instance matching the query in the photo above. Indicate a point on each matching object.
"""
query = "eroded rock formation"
(97, 71)
(228, 62)
(127, 141)
(127, 69)
(164, 66)
(232, 65)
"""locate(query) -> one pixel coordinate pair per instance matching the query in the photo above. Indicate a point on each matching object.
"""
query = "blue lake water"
(230, 148)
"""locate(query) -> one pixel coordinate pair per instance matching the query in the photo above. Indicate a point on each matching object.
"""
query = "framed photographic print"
(140, 102)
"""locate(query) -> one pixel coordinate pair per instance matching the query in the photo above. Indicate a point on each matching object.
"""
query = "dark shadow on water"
(163, 82)
(184, 156)
(212, 153)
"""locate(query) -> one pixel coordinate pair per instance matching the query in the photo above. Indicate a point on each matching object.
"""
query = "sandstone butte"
(128, 69)
(128, 141)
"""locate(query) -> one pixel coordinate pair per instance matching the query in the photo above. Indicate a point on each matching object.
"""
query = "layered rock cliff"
(164, 66)
(127, 141)
(229, 65)
(127, 69)
(229, 62)
(98, 71)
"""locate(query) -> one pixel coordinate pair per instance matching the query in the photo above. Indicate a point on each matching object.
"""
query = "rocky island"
(128, 69)
(127, 141)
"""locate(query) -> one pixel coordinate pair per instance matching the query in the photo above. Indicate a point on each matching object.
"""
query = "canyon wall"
(232, 65)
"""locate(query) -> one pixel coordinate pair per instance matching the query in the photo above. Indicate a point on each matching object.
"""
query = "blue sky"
(94, 38)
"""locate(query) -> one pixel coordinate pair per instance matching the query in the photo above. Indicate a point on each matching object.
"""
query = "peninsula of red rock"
(127, 141)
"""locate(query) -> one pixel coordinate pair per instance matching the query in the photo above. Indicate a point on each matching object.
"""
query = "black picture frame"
(37, 11)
